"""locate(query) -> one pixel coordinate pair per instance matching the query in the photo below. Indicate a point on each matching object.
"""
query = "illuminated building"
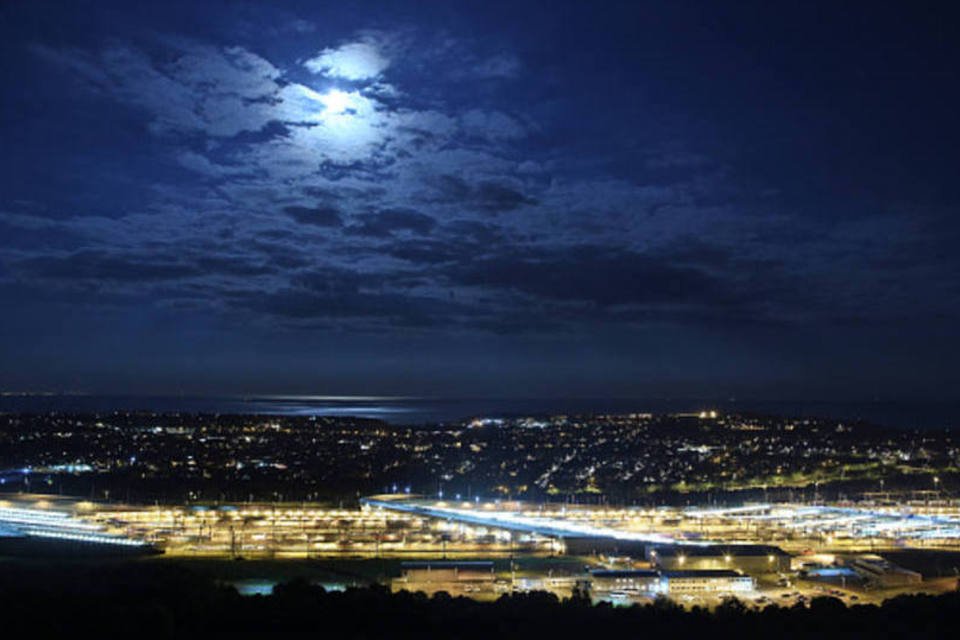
(642, 581)
(453, 577)
(706, 581)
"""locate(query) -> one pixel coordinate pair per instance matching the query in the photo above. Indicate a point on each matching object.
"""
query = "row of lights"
(728, 558)
(83, 537)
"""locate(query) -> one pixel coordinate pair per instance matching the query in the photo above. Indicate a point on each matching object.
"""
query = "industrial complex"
(479, 549)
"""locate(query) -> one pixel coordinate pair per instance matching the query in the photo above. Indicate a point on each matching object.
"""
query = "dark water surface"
(405, 410)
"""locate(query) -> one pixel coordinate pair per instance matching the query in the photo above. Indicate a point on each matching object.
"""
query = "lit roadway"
(784, 521)
(864, 522)
(513, 521)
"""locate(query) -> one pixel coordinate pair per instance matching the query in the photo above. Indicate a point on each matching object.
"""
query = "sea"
(427, 410)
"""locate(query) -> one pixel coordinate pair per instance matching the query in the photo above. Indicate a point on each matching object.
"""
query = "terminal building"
(653, 583)
(753, 559)
(643, 581)
(708, 581)
(456, 578)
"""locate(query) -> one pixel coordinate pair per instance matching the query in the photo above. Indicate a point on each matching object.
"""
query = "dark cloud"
(452, 189)
(333, 282)
(319, 216)
(101, 266)
(480, 232)
(332, 295)
(300, 304)
(283, 255)
(594, 274)
(426, 251)
(498, 197)
(454, 242)
(385, 222)
(38, 237)
(489, 196)
(231, 265)
(483, 183)
(104, 267)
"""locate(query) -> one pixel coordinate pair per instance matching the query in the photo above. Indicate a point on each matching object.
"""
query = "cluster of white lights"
(58, 525)
(6, 512)
(858, 522)
(43, 518)
(850, 522)
(83, 537)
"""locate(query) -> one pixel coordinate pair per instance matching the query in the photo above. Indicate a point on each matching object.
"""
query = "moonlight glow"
(630, 201)
(336, 102)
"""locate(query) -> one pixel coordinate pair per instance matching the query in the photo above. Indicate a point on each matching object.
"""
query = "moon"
(336, 102)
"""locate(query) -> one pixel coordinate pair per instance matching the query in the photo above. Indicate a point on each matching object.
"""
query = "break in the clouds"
(572, 197)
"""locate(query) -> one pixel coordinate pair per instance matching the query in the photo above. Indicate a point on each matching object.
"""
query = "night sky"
(750, 199)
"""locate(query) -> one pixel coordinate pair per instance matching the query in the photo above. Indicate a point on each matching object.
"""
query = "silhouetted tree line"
(169, 601)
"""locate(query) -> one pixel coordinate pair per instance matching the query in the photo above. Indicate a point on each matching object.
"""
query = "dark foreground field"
(175, 600)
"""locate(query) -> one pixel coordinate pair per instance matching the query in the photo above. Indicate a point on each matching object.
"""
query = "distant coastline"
(423, 410)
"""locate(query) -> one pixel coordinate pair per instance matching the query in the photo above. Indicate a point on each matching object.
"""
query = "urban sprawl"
(630, 508)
